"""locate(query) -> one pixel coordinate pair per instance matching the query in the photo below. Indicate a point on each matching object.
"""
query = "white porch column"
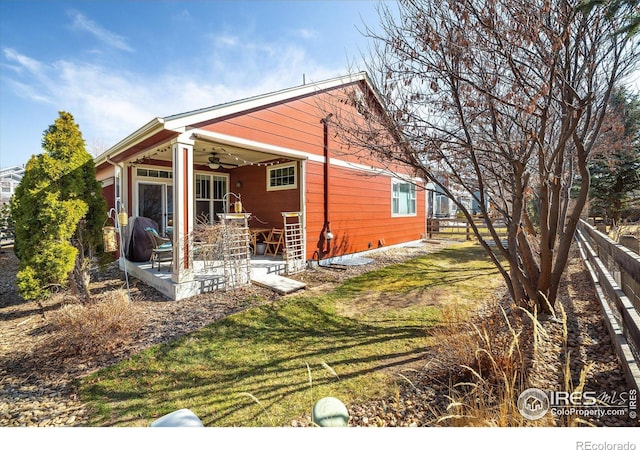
(182, 149)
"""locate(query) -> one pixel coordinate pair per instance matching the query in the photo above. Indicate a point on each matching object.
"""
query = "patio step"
(277, 283)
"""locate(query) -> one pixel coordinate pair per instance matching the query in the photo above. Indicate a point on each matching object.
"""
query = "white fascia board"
(374, 170)
(180, 121)
(137, 136)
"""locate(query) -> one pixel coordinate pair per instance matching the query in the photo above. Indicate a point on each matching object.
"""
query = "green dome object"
(330, 412)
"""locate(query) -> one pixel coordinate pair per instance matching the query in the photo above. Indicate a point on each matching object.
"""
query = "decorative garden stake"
(330, 412)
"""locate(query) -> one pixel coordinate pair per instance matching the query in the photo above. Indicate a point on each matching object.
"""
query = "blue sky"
(115, 65)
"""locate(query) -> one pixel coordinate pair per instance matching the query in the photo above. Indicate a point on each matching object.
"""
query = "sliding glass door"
(155, 201)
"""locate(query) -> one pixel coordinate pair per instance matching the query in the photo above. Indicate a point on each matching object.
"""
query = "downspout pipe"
(328, 235)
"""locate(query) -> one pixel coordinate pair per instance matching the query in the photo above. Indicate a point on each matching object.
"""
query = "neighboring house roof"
(10, 177)
(13, 172)
(170, 126)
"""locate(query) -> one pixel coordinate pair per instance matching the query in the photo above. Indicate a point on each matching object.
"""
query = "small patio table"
(257, 233)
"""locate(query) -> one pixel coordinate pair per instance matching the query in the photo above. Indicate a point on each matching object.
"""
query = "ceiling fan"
(214, 162)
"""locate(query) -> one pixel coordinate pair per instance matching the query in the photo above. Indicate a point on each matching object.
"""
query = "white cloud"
(306, 33)
(110, 103)
(632, 81)
(80, 22)
(183, 16)
(27, 91)
(226, 40)
(24, 62)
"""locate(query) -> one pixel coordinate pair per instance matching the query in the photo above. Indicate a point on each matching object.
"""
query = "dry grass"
(632, 229)
(492, 361)
(101, 326)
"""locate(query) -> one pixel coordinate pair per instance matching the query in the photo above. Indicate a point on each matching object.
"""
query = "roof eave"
(181, 121)
(152, 127)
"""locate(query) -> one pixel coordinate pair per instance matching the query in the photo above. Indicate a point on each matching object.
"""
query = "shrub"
(100, 327)
(57, 211)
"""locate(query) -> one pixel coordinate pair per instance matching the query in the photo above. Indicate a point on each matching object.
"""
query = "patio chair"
(274, 242)
(162, 248)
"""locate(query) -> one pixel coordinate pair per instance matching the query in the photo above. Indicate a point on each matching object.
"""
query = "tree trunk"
(80, 279)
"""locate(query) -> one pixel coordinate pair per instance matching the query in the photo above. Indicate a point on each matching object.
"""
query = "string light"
(147, 157)
(248, 163)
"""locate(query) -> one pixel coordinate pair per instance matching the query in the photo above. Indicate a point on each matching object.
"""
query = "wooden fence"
(615, 271)
(460, 229)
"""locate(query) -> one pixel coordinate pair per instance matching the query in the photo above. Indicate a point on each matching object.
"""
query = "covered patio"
(200, 179)
(223, 255)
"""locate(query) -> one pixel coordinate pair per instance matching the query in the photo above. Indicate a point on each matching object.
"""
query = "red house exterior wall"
(109, 194)
(264, 206)
(359, 203)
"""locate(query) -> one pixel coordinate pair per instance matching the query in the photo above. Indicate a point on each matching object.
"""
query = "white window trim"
(159, 169)
(395, 181)
(293, 164)
(210, 200)
(209, 174)
(137, 179)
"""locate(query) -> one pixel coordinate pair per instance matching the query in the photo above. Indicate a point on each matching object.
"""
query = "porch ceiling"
(229, 156)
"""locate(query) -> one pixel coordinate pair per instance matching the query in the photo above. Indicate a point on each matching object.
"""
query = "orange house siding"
(359, 204)
(109, 194)
(294, 125)
(359, 212)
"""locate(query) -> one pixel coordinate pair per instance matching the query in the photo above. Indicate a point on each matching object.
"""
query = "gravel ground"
(36, 386)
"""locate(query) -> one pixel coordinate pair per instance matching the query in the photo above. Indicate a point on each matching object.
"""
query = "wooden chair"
(275, 242)
(162, 248)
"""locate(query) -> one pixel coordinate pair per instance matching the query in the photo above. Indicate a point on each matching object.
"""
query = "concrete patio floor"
(207, 277)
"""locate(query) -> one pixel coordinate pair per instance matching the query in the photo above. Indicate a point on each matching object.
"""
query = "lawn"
(268, 365)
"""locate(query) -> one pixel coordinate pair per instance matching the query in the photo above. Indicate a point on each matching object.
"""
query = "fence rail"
(460, 229)
(615, 272)
(6, 237)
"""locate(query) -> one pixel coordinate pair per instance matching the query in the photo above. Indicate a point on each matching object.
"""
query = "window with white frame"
(282, 176)
(403, 198)
(154, 173)
(209, 193)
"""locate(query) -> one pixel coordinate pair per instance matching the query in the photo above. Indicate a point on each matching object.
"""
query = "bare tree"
(502, 99)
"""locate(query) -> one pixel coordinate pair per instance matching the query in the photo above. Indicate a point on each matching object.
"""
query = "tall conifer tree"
(58, 210)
